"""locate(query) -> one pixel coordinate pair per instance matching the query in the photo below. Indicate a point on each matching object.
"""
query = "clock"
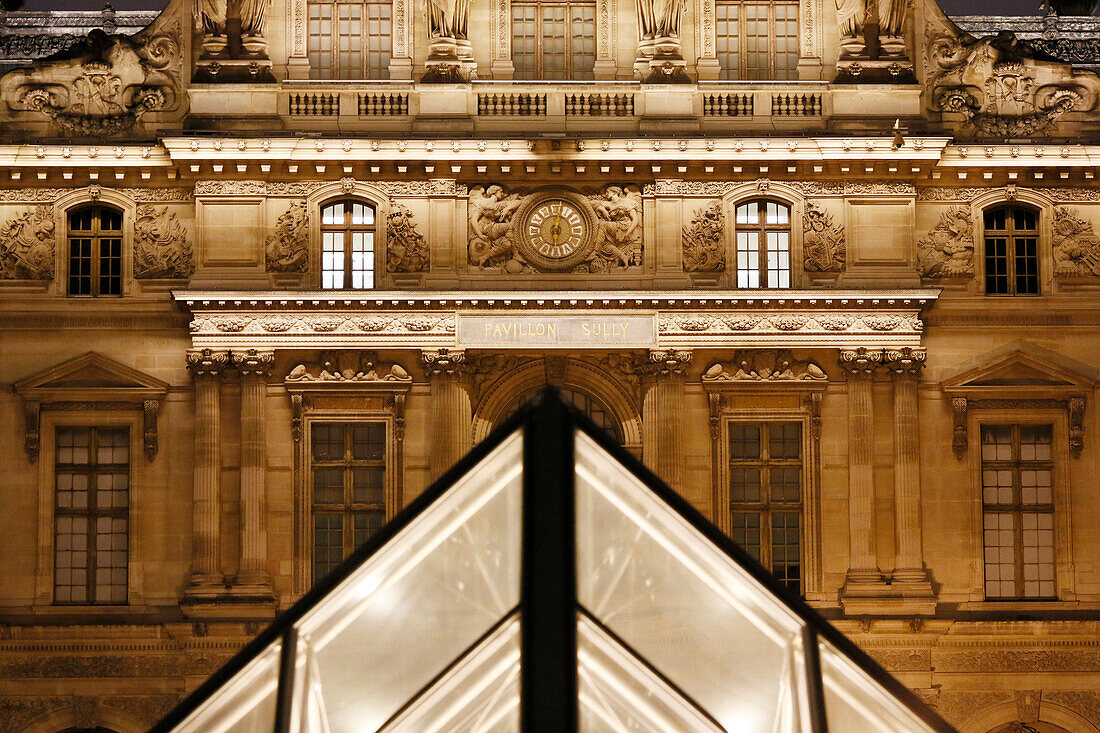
(555, 230)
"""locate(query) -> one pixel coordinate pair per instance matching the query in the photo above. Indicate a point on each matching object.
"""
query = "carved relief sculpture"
(287, 250)
(660, 58)
(948, 249)
(754, 365)
(823, 246)
(703, 245)
(27, 246)
(406, 248)
(161, 249)
(347, 366)
(1000, 89)
(1076, 246)
(102, 86)
(490, 216)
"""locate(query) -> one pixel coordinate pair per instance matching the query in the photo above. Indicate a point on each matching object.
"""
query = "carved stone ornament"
(161, 248)
(948, 249)
(823, 246)
(608, 229)
(287, 250)
(27, 246)
(904, 363)
(406, 248)
(754, 365)
(860, 363)
(1076, 246)
(1001, 89)
(347, 366)
(102, 86)
(703, 244)
(447, 363)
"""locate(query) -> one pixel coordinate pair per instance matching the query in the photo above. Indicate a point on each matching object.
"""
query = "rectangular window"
(91, 515)
(554, 40)
(765, 495)
(348, 476)
(756, 40)
(1018, 511)
(95, 251)
(766, 223)
(1011, 251)
(350, 40)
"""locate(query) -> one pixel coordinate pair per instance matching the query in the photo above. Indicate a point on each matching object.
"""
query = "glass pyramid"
(549, 582)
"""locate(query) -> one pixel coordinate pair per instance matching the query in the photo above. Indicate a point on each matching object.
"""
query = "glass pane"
(245, 704)
(856, 703)
(677, 600)
(419, 602)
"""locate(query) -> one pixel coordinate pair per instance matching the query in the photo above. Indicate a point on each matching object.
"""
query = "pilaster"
(452, 416)
(663, 413)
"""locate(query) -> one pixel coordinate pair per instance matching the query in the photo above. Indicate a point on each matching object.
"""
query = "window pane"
(784, 440)
(746, 532)
(727, 36)
(744, 440)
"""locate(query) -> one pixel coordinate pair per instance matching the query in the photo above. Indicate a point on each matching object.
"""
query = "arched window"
(1011, 251)
(347, 244)
(589, 406)
(756, 40)
(350, 40)
(763, 244)
(554, 40)
(95, 251)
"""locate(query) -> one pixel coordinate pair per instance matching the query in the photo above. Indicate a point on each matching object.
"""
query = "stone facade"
(591, 234)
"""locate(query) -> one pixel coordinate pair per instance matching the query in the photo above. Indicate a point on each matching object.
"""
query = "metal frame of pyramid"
(550, 622)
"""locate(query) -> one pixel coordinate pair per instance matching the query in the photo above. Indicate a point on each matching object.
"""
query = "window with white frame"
(756, 40)
(554, 40)
(350, 40)
(348, 231)
(763, 239)
(1018, 511)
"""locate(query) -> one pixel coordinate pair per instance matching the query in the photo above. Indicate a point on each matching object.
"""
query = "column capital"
(253, 362)
(439, 363)
(207, 362)
(664, 362)
(860, 363)
(904, 363)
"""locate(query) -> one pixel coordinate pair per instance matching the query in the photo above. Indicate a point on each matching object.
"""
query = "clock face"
(556, 229)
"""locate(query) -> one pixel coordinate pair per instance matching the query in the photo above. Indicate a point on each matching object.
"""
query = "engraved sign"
(599, 330)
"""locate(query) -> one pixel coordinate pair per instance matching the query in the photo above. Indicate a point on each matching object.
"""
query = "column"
(860, 364)
(452, 417)
(905, 366)
(207, 368)
(663, 414)
(254, 368)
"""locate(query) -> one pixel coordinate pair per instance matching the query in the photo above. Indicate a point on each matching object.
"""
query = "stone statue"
(252, 25)
(448, 18)
(619, 217)
(211, 19)
(491, 211)
(659, 18)
(850, 15)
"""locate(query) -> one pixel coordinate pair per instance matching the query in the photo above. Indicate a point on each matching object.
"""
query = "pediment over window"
(90, 381)
(1022, 369)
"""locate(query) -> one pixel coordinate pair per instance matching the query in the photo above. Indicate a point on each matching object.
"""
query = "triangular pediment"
(1022, 369)
(90, 372)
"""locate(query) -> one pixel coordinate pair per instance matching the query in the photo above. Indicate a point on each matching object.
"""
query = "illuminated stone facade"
(845, 302)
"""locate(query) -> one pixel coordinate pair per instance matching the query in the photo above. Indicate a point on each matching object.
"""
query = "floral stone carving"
(348, 366)
(406, 248)
(102, 86)
(948, 250)
(764, 365)
(1076, 246)
(823, 246)
(161, 249)
(703, 247)
(287, 250)
(27, 246)
(1001, 89)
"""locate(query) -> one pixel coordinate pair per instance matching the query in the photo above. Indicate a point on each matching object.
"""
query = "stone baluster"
(663, 413)
(207, 367)
(860, 364)
(254, 368)
(452, 418)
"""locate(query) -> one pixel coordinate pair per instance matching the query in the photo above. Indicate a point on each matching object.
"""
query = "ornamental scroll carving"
(948, 249)
(764, 365)
(823, 246)
(617, 211)
(27, 246)
(1001, 89)
(161, 249)
(1076, 246)
(406, 248)
(347, 366)
(703, 246)
(102, 86)
(287, 250)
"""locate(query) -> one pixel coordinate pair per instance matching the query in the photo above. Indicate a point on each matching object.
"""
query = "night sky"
(954, 7)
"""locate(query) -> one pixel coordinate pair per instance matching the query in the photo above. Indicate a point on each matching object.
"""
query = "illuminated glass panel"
(554, 40)
(349, 40)
(763, 240)
(756, 40)
(347, 245)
